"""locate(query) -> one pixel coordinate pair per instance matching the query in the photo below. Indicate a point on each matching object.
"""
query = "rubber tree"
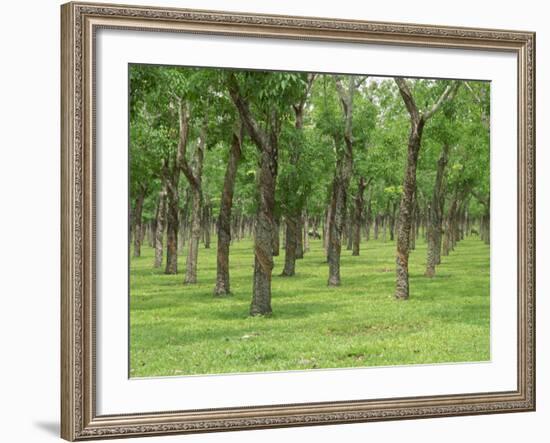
(172, 172)
(226, 204)
(295, 187)
(418, 120)
(150, 146)
(343, 141)
(193, 174)
(435, 215)
(263, 101)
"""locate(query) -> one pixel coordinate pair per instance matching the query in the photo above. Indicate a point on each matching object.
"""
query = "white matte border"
(117, 394)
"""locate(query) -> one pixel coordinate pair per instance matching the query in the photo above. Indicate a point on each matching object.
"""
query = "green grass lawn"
(178, 330)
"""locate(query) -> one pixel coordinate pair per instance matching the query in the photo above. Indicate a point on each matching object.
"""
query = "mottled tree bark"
(172, 174)
(305, 232)
(206, 222)
(409, 187)
(293, 218)
(291, 237)
(358, 215)
(435, 215)
(412, 237)
(392, 221)
(449, 228)
(348, 224)
(194, 238)
(138, 220)
(299, 238)
(336, 225)
(340, 184)
(194, 177)
(417, 121)
(224, 218)
(172, 228)
(368, 221)
(159, 228)
(267, 144)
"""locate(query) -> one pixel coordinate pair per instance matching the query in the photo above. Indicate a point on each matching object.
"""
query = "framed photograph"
(277, 221)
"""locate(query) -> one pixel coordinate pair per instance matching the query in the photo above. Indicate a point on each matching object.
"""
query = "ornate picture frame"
(80, 22)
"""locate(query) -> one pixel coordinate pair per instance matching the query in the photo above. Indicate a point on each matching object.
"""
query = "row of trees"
(297, 153)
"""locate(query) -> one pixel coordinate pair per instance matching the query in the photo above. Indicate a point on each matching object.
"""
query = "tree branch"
(257, 135)
(408, 98)
(181, 156)
(447, 95)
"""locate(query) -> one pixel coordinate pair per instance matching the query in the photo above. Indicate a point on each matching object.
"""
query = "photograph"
(292, 221)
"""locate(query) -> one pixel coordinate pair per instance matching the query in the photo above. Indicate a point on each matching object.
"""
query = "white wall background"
(29, 223)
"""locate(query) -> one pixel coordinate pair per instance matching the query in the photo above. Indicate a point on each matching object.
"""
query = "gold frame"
(79, 21)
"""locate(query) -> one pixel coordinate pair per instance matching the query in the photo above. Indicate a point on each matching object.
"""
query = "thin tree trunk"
(193, 249)
(342, 177)
(368, 221)
(417, 122)
(299, 238)
(435, 215)
(194, 177)
(224, 218)
(159, 228)
(392, 222)
(405, 210)
(138, 221)
(358, 215)
(206, 225)
(448, 238)
(267, 144)
(172, 230)
(306, 232)
(336, 226)
(290, 246)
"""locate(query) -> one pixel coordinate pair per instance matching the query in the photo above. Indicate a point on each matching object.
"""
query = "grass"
(178, 329)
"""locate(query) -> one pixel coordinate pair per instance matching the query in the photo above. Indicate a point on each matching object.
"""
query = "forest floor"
(179, 330)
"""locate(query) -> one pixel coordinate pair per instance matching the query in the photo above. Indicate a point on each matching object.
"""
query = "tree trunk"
(224, 218)
(336, 224)
(263, 243)
(299, 238)
(358, 215)
(417, 121)
(306, 233)
(138, 222)
(172, 227)
(392, 221)
(290, 246)
(267, 144)
(344, 166)
(206, 225)
(405, 211)
(159, 228)
(368, 221)
(435, 215)
(194, 177)
(449, 229)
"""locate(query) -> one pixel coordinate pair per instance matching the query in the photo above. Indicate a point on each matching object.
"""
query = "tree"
(295, 197)
(193, 174)
(344, 165)
(418, 120)
(273, 94)
(224, 219)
